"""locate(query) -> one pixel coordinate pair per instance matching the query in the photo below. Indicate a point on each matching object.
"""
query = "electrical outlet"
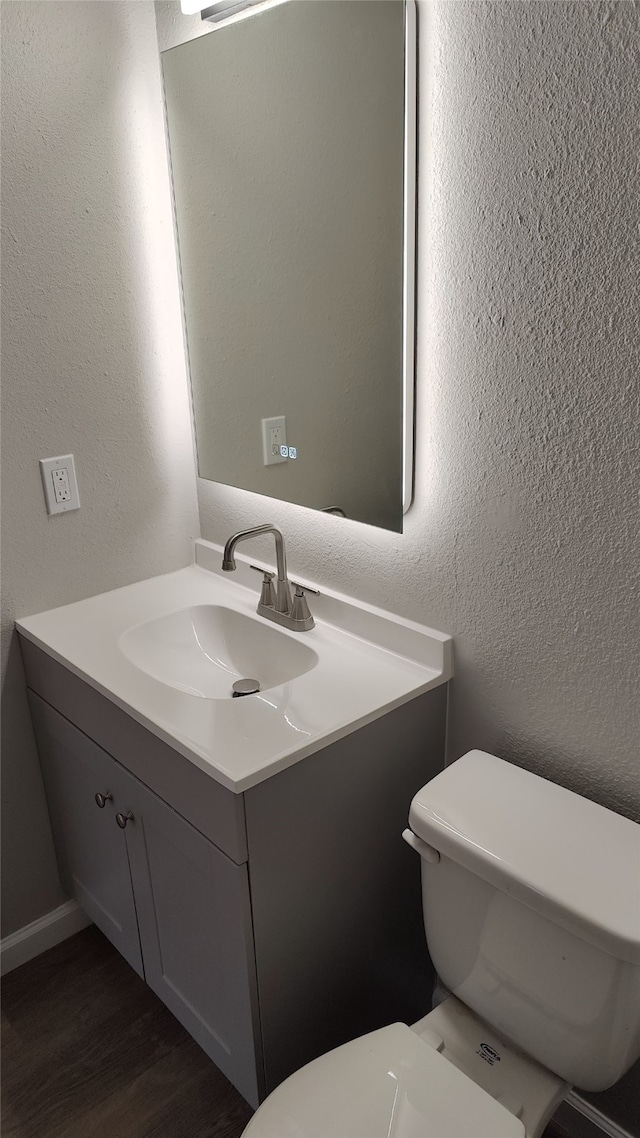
(274, 440)
(60, 479)
(60, 485)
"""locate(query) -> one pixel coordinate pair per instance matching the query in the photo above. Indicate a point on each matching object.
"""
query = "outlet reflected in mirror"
(292, 139)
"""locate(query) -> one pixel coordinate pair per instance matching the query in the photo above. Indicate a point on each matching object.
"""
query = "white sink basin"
(168, 650)
(204, 649)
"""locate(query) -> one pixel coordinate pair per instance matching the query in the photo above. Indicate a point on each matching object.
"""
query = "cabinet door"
(91, 848)
(195, 928)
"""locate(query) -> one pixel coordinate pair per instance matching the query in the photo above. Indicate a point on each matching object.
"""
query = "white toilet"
(531, 899)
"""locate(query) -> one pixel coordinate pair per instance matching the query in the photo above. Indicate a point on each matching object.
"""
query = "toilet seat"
(387, 1084)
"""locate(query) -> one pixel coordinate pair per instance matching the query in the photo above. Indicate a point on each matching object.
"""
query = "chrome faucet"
(276, 606)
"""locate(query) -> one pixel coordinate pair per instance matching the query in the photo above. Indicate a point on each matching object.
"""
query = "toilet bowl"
(387, 1083)
(541, 954)
(447, 1076)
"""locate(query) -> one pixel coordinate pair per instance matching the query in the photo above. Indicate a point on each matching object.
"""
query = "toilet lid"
(388, 1084)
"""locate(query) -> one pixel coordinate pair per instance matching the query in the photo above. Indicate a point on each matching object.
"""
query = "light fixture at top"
(218, 11)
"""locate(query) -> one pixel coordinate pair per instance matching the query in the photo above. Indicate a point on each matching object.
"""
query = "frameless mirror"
(292, 137)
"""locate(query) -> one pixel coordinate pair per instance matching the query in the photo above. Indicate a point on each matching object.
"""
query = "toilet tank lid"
(564, 856)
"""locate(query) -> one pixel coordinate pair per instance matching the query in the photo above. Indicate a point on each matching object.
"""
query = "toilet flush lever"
(429, 853)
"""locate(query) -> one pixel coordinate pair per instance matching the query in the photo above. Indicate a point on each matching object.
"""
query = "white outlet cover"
(274, 440)
(47, 468)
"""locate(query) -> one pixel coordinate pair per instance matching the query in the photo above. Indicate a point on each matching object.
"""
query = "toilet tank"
(532, 914)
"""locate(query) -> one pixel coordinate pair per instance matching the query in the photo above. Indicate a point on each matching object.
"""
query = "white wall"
(92, 354)
(523, 540)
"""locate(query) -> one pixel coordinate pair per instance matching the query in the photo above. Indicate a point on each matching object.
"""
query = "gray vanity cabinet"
(194, 916)
(275, 924)
(171, 902)
(92, 851)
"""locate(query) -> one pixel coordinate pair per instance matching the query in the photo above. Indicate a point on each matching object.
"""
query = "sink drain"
(245, 687)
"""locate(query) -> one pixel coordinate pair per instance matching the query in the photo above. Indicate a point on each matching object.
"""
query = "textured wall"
(92, 354)
(523, 538)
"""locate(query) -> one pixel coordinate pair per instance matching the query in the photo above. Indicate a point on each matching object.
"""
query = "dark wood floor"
(89, 1052)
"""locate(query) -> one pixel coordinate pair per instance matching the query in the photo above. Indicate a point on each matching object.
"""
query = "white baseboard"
(590, 1123)
(40, 935)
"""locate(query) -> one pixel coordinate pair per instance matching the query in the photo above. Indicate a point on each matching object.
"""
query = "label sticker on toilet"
(489, 1054)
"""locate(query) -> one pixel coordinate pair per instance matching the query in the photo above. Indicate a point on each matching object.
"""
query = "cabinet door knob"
(102, 799)
(122, 819)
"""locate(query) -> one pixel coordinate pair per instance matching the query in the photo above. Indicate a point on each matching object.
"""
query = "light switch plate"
(60, 485)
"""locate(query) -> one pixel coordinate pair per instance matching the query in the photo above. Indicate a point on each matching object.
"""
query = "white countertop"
(369, 662)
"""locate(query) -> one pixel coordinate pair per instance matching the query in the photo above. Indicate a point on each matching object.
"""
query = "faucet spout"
(283, 594)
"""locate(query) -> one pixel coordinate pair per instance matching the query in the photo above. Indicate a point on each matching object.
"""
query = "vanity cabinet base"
(194, 916)
(91, 852)
(168, 899)
(335, 892)
(275, 924)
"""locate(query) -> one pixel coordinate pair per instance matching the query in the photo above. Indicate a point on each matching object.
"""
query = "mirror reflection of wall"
(286, 133)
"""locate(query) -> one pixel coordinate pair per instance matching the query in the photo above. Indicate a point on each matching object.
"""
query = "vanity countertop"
(368, 662)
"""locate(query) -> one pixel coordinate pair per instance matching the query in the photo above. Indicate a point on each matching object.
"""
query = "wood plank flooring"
(89, 1052)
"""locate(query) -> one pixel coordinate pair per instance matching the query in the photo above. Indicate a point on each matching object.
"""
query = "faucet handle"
(302, 589)
(300, 609)
(268, 594)
(268, 575)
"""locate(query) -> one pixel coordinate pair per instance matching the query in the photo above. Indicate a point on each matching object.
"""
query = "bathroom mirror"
(292, 142)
